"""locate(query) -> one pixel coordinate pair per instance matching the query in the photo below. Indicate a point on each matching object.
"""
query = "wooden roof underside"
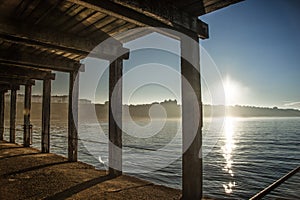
(57, 34)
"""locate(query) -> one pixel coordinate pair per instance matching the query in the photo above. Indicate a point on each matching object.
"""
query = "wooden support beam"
(15, 81)
(4, 87)
(27, 108)
(149, 13)
(24, 59)
(115, 118)
(73, 116)
(41, 37)
(191, 119)
(2, 107)
(25, 73)
(46, 116)
(13, 110)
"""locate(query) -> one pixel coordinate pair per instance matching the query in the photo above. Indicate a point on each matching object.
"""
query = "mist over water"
(249, 154)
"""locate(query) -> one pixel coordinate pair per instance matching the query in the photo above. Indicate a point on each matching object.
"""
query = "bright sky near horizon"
(254, 45)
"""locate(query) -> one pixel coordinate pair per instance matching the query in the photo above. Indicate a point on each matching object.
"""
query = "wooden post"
(73, 116)
(115, 129)
(46, 115)
(2, 107)
(13, 108)
(191, 119)
(27, 107)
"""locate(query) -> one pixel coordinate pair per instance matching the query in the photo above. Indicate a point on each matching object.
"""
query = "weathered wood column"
(27, 108)
(115, 115)
(13, 109)
(46, 115)
(2, 108)
(73, 116)
(191, 119)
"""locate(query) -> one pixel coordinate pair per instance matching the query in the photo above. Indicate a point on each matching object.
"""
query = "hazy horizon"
(170, 100)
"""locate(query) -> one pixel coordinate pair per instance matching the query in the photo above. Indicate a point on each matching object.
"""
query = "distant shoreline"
(59, 111)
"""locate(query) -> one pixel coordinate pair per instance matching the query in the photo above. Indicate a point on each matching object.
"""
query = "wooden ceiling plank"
(71, 18)
(20, 9)
(112, 25)
(73, 27)
(92, 25)
(49, 39)
(66, 15)
(133, 34)
(19, 6)
(148, 15)
(96, 27)
(48, 12)
(40, 2)
(118, 30)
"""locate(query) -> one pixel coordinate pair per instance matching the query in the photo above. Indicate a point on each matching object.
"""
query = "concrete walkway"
(25, 173)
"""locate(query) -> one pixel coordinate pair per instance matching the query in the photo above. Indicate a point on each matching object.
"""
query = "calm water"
(240, 158)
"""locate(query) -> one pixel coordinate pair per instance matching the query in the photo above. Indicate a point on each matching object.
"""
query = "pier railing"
(274, 185)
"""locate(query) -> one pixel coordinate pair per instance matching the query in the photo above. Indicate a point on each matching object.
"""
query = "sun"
(231, 91)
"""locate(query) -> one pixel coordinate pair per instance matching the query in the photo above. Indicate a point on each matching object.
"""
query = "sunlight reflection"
(228, 187)
(227, 150)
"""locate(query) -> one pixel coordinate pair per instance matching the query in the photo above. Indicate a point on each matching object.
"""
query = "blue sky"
(254, 45)
(257, 44)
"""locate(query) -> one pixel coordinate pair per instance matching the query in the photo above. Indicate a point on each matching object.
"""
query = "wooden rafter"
(25, 73)
(16, 81)
(24, 59)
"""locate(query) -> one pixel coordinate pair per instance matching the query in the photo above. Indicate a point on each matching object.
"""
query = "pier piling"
(27, 108)
(46, 115)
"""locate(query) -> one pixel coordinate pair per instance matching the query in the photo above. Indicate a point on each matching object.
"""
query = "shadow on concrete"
(19, 155)
(13, 147)
(79, 187)
(34, 168)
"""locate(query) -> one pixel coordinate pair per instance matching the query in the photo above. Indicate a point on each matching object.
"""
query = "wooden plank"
(46, 116)
(25, 73)
(149, 13)
(169, 14)
(191, 119)
(13, 109)
(27, 108)
(35, 36)
(73, 116)
(2, 107)
(40, 36)
(115, 118)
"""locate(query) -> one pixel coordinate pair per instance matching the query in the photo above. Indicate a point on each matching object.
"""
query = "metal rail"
(274, 185)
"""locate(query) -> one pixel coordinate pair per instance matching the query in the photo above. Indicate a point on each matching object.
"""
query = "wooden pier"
(42, 36)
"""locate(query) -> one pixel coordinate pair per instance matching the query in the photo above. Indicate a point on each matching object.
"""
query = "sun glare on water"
(228, 153)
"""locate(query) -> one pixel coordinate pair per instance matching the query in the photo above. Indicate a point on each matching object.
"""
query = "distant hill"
(59, 111)
(249, 111)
